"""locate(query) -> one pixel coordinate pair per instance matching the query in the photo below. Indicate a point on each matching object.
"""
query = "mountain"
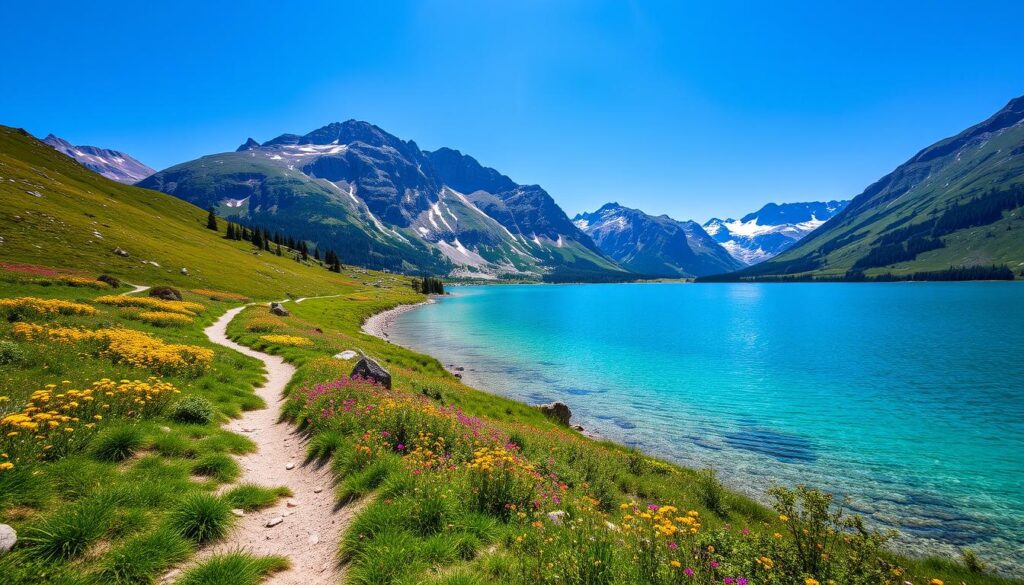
(657, 246)
(57, 213)
(772, 229)
(382, 202)
(112, 164)
(956, 204)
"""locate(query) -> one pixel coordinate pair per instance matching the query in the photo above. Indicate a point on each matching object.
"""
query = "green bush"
(10, 352)
(69, 532)
(193, 409)
(711, 492)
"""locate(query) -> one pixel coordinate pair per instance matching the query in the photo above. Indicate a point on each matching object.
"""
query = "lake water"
(906, 397)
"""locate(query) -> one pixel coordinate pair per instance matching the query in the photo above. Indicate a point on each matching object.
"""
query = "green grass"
(251, 497)
(117, 443)
(237, 568)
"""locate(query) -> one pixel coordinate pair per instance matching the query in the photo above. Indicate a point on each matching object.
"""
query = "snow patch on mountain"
(772, 229)
(112, 164)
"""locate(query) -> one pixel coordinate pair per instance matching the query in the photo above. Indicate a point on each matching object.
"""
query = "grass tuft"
(250, 496)
(219, 466)
(70, 531)
(117, 443)
(202, 517)
(236, 568)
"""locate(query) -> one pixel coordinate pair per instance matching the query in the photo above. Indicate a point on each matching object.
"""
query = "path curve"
(136, 288)
(308, 535)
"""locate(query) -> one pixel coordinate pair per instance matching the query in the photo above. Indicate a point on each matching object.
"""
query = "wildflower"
(291, 340)
(689, 572)
(783, 518)
(936, 582)
(676, 564)
(812, 581)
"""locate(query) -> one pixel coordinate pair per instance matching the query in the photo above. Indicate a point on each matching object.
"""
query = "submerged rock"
(372, 371)
(558, 411)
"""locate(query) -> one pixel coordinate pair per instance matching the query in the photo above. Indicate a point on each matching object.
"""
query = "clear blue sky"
(693, 109)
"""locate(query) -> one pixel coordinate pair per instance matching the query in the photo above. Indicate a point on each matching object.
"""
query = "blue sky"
(695, 109)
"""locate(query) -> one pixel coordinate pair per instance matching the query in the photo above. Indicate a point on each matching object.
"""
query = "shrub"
(973, 563)
(202, 517)
(10, 352)
(193, 409)
(165, 318)
(117, 443)
(711, 492)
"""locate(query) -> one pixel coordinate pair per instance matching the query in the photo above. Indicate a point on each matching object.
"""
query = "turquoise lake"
(906, 397)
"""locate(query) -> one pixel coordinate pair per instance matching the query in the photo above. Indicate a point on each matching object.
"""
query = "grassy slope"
(146, 490)
(57, 229)
(991, 161)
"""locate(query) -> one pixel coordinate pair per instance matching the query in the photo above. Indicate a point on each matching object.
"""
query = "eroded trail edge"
(309, 526)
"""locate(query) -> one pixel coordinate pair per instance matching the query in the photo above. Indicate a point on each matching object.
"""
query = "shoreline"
(377, 324)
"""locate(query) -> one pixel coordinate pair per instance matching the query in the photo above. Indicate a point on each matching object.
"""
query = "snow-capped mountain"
(772, 229)
(112, 164)
(656, 246)
(382, 202)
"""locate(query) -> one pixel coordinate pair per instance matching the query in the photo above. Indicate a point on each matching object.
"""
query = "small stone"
(279, 310)
(121, 252)
(238, 512)
(184, 271)
(314, 538)
(7, 538)
(317, 490)
(292, 504)
(345, 355)
(274, 521)
(165, 429)
(290, 466)
(287, 514)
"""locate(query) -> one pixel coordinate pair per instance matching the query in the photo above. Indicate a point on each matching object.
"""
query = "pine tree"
(231, 231)
(304, 250)
(278, 251)
(316, 254)
(211, 221)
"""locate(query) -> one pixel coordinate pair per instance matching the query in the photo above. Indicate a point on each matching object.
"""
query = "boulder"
(7, 538)
(184, 271)
(558, 411)
(113, 282)
(370, 370)
(121, 252)
(165, 293)
(279, 310)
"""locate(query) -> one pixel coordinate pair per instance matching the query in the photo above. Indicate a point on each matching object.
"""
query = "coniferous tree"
(256, 239)
(316, 254)
(231, 231)
(278, 251)
(304, 250)
(211, 221)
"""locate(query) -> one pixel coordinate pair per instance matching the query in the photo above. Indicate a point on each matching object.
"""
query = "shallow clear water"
(907, 397)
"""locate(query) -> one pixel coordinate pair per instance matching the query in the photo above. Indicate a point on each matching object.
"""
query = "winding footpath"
(304, 528)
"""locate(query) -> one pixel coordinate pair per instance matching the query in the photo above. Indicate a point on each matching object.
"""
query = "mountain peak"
(112, 164)
(249, 144)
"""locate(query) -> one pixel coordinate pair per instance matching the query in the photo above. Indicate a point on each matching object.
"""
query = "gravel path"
(308, 525)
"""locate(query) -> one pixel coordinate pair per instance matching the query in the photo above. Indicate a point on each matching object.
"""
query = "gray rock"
(279, 310)
(558, 411)
(121, 252)
(184, 271)
(274, 521)
(238, 512)
(370, 370)
(345, 355)
(290, 466)
(7, 538)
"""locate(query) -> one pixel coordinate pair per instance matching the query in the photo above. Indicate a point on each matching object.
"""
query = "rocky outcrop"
(166, 293)
(559, 411)
(279, 310)
(368, 369)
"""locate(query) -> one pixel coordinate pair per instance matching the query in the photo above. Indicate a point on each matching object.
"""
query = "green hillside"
(957, 203)
(57, 213)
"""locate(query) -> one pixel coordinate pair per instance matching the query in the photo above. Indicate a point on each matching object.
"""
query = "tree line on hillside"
(275, 242)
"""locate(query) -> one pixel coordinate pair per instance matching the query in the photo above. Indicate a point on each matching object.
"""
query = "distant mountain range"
(772, 229)
(954, 210)
(655, 246)
(382, 202)
(112, 164)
